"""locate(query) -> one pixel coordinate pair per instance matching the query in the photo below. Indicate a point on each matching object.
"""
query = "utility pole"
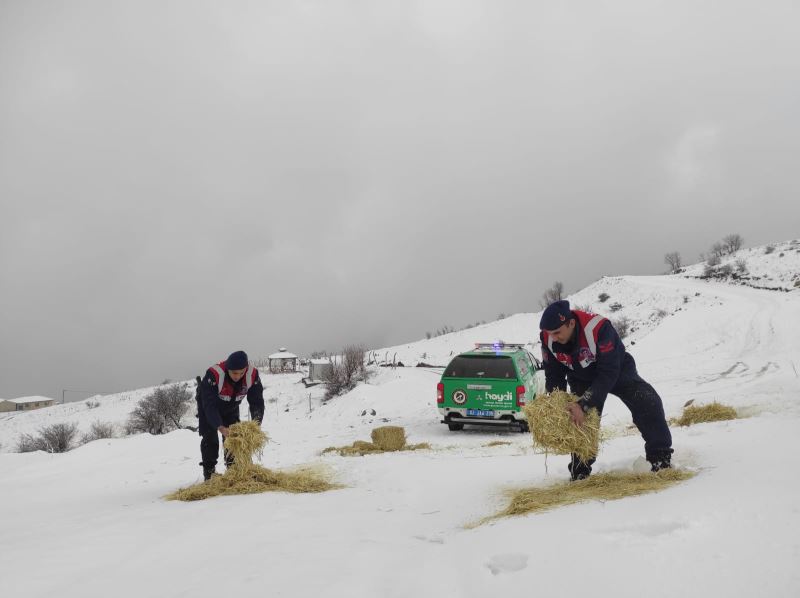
(64, 391)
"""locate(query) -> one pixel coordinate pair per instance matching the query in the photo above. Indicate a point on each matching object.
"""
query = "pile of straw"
(553, 431)
(245, 441)
(713, 412)
(386, 439)
(603, 486)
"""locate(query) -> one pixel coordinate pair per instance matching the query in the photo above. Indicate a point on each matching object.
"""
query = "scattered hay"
(254, 479)
(713, 412)
(386, 439)
(602, 486)
(497, 443)
(245, 441)
(552, 428)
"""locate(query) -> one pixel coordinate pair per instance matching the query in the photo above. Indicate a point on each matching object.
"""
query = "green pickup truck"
(489, 385)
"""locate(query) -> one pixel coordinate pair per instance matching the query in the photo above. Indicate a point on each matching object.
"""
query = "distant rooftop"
(29, 399)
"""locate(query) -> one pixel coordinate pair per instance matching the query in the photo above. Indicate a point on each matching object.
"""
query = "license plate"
(479, 413)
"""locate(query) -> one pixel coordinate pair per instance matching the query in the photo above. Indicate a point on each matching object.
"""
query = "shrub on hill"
(57, 438)
(161, 411)
(622, 325)
(345, 372)
(98, 431)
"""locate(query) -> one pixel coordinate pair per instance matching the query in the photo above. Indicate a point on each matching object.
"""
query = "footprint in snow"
(507, 563)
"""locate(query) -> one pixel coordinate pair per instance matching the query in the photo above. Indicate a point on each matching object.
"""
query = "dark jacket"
(219, 394)
(598, 358)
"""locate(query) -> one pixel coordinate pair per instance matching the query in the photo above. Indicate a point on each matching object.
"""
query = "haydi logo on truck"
(489, 385)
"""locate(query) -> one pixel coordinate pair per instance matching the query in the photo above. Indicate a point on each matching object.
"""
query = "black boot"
(579, 470)
(208, 472)
(660, 460)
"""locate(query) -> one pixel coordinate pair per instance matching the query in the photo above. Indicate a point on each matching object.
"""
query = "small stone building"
(25, 404)
(282, 362)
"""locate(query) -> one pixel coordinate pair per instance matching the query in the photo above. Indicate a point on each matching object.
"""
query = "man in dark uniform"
(585, 350)
(220, 393)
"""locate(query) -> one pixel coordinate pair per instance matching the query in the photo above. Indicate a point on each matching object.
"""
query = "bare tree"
(57, 438)
(97, 431)
(160, 412)
(673, 260)
(346, 372)
(718, 250)
(733, 242)
(553, 294)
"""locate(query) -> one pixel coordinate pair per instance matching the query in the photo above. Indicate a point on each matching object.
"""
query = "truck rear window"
(479, 366)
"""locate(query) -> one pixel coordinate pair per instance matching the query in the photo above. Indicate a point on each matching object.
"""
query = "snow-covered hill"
(92, 522)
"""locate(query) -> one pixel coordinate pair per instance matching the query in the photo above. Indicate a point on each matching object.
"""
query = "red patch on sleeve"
(606, 347)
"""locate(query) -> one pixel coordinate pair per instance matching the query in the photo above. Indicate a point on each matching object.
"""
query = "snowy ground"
(92, 522)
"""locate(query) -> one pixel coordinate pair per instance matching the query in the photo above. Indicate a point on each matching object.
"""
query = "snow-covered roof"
(319, 361)
(283, 354)
(30, 400)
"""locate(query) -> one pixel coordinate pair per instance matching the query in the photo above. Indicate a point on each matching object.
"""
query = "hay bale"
(603, 486)
(553, 431)
(389, 438)
(698, 414)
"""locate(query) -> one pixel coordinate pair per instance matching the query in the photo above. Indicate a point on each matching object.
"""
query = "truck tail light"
(439, 393)
(520, 396)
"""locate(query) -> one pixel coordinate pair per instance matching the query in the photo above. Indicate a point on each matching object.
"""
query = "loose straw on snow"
(553, 430)
(602, 486)
(700, 414)
(246, 440)
(386, 439)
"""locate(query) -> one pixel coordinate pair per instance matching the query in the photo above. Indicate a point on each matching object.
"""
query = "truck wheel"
(454, 427)
(523, 427)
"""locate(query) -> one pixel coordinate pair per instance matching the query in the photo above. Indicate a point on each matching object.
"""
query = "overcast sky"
(180, 180)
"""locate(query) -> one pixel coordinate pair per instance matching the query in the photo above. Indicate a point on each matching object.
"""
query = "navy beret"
(556, 315)
(236, 361)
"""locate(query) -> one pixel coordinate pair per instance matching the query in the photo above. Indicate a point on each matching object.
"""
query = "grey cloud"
(180, 180)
